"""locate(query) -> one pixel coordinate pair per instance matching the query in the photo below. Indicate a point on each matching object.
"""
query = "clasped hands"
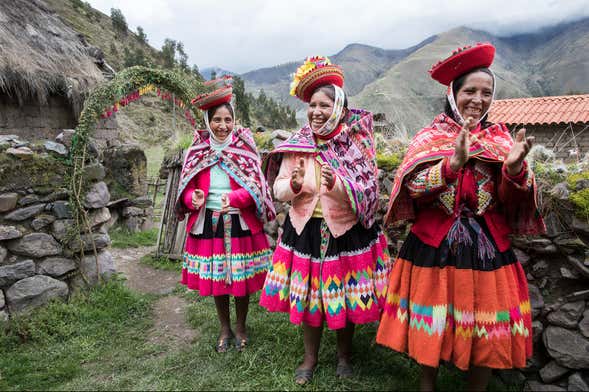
(198, 199)
(514, 161)
(298, 175)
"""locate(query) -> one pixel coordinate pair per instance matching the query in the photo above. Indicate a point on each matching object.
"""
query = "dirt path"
(170, 327)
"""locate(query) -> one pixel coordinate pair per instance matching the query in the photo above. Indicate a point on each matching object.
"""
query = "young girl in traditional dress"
(331, 261)
(457, 291)
(227, 198)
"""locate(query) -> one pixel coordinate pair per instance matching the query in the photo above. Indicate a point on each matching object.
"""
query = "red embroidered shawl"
(433, 143)
(240, 160)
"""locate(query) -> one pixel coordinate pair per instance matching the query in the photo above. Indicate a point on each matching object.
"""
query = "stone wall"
(30, 121)
(40, 256)
(548, 136)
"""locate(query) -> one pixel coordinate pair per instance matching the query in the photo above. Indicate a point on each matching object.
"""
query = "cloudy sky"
(241, 35)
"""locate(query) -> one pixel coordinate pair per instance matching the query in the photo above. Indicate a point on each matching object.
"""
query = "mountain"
(552, 61)
(207, 72)
(361, 64)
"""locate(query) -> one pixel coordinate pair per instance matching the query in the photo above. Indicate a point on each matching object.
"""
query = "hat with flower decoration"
(315, 72)
(222, 91)
(461, 61)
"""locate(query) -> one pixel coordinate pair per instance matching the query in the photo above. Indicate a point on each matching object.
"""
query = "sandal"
(303, 376)
(344, 369)
(223, 344)
(241, 344)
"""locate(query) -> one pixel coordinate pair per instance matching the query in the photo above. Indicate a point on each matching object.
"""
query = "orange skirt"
(458, 308)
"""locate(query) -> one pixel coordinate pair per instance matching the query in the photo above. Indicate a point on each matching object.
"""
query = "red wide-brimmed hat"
(222, 93)
(315, 72)
(461, 61)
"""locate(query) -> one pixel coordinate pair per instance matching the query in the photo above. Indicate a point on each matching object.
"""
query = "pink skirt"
(225, 260)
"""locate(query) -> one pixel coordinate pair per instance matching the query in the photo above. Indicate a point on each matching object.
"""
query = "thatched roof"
(41, 56)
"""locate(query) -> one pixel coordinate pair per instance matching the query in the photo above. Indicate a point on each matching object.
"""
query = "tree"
(213, 74)
(169, 53)
(141, 34)
(196, 72)
(242, 102)
(119, 23)
(182, 56)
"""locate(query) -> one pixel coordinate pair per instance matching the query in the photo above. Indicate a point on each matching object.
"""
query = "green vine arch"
(101, 98)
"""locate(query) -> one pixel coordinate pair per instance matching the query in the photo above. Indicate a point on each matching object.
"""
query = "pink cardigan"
(337, 211)
(238, 198)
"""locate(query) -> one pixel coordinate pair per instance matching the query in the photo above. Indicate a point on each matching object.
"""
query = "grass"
(99, 341)
(155, 156)
(122, 238)
(162, 263)
(63, 342)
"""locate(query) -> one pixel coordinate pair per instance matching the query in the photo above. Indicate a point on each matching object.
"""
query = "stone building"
(559, 123)
(46, 68)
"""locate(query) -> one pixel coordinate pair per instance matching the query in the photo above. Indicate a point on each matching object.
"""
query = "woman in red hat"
(226, 197)
(331, 261)
(457, 291)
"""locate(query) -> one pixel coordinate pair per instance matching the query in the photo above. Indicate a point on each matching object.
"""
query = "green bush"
(122, 238)
(388, 162)
(263, 140)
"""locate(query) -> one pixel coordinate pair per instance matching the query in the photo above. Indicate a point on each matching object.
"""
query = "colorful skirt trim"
(315, 277)
(225, 259)
(451, 304)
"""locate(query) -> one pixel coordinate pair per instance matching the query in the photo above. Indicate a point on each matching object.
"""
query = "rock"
(560, 191)
(62, 210)
(271, 242)
(277, 142)
(568, 274)
(35, 245)
(60, 228)
(99, 216)
(55, 266)
(8, 201)
(280, 218)
(65, 137)
(28, 199)
(536, 300)
(552, 372)
(2, 301)
(132, 211)
(42, 221)
(4, 316)
(388, 185)
(126, 165)
(540, 268)
(280, 134)
(543, 246)
(535, 386)
(9, 233)
(537, 328)
(553, 224)
(583, 294)
(580, 226)
(578, 383)
(94, 172)
(13, 272)
(21, 152)
(133, 224)
(578, 264)
(9, 138)
(101, 240)
(271, 228)
(58, 194)
(56, 147)
(106, 267)
(570, 245)
(98, 196)
(584, 324)
(142, 202)
(568, 348)
(25, 213)
(35, 291)
(3, 254)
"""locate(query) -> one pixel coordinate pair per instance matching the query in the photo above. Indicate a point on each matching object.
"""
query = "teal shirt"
(219, 186)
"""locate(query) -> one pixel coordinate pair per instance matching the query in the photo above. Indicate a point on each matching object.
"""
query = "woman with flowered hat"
(457, 291)
(331, 261)
(226, 197)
